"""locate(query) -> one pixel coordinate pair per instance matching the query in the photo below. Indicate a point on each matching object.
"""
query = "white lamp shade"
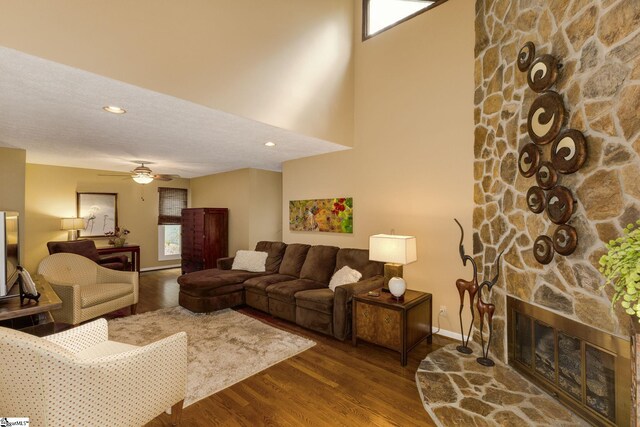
(71, 224)
(392, 248)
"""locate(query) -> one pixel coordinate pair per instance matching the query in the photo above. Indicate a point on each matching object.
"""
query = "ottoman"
(214, 289)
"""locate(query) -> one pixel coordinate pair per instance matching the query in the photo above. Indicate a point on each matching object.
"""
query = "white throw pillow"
(253, 261)
(344, 276)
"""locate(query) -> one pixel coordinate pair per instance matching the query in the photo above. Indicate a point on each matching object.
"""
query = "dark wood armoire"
(205, 237)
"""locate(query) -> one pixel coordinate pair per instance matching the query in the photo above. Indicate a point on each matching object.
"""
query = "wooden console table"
(399, 325)
(11, 309)
(134, 250)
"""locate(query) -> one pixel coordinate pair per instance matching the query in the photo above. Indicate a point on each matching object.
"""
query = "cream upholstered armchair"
(80, 378)
(86, 289)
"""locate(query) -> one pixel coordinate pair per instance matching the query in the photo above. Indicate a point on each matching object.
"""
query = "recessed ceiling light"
(113, 109)
(270, 144)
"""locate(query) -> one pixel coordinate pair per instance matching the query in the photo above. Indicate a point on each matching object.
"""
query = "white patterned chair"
(86, 289)
(80, 378)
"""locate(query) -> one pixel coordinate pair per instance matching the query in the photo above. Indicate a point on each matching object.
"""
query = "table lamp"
(394, 251)
(72, 225)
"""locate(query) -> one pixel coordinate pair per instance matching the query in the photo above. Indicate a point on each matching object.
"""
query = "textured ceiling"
(54, 112)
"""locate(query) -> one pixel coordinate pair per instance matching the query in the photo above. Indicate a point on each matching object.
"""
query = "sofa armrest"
(342, 303)
(225, 263)
(81, 337)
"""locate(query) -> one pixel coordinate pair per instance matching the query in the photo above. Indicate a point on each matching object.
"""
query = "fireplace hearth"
(585, 368)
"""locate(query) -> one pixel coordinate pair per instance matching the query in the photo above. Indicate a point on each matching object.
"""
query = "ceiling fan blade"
(165, 177)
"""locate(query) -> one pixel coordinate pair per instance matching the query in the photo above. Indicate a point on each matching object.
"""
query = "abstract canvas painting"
(328, 215)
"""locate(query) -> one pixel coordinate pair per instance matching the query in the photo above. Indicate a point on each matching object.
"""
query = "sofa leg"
(176, 413)
(134, 307)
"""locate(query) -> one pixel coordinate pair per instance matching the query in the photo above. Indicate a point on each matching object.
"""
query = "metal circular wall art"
(542, 73)
(569, 151)
(529, 159)
(565, 240)
(535, 199)
(546, 177)
(546, 117)
(526, 56)
(559, 204)
(543, 250)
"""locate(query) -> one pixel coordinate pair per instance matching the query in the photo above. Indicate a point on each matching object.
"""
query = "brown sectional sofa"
(295, 286)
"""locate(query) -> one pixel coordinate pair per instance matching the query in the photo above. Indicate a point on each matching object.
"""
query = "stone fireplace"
(598, 43)
(585, 368)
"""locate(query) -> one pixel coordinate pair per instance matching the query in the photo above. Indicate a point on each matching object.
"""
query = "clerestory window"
(381, 15)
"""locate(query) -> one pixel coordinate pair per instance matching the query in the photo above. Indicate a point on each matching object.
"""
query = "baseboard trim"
(163, 267)
(449, 334)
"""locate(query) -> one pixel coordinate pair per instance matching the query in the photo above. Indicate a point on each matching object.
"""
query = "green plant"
(621, 267)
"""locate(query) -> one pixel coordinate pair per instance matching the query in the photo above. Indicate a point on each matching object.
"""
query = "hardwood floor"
(331, 384)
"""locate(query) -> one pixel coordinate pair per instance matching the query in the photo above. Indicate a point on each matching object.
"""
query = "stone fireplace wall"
(598, 43)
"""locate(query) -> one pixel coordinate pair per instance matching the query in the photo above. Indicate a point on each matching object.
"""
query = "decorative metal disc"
(536, 200)
(529, 159)
(543, 73)
(546, 117)
(543, 250)
(569, 151)
(565, 239)
(546, 177)
(559, 204)
(526, 55)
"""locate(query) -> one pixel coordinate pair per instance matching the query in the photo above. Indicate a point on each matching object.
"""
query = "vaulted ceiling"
(205, 82)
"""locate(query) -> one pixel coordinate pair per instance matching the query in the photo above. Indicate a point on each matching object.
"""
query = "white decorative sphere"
(397, 286)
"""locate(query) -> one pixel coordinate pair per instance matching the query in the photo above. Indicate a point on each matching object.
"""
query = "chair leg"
(176, 413)
(134, 307)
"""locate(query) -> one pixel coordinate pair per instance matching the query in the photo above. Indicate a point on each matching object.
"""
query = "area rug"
(456, 390)
(225, 347)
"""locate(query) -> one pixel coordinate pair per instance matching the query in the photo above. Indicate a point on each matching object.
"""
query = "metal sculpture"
(546, 117)
(464, 286)
(487, 309)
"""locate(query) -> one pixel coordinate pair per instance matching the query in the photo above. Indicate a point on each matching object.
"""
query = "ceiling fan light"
(142, 178)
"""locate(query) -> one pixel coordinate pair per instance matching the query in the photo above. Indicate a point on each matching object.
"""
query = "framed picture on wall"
(99, 211)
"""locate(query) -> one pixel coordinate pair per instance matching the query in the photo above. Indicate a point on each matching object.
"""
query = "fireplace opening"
(585, 368)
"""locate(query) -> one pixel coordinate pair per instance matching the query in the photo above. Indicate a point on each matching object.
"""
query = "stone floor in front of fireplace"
(456, 390)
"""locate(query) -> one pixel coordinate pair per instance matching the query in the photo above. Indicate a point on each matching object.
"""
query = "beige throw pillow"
(344, 276)
(253, 261)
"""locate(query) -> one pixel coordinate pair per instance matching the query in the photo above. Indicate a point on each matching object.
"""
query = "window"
(381, 15)
(171, 203)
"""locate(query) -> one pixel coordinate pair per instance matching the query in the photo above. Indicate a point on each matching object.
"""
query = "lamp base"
(72, 235)
(390, 270)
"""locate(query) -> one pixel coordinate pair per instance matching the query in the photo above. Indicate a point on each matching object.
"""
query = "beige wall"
(12, 184)
(51, 195)
(254, 200)
(286, 63)
(412, 162)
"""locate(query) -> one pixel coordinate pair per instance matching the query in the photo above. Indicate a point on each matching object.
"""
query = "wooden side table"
(397, 325)
(134, 250)
(11, 309)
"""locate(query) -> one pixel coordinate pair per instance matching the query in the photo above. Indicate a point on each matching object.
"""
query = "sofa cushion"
(293, 259)
(275, 251)
(358, 259)
(344, 276)
(213, 278)
(316, 299)
(250, 261)
(260, 284)
(320, 263)
(103, 292)
(286, 291)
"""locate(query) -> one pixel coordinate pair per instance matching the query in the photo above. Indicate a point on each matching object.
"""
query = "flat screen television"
(9, 253)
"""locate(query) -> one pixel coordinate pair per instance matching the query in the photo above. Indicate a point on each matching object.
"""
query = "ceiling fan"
(143, 175)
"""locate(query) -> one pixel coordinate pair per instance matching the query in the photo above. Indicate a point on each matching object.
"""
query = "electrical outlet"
(443, 309)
